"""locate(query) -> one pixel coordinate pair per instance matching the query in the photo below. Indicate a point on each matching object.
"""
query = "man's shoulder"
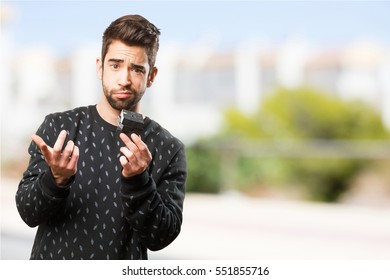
(69, 118)
(154, 129)
(77, 112)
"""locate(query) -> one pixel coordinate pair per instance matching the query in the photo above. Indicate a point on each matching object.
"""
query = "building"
(193, 87)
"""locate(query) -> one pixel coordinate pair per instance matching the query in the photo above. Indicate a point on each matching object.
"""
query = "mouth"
(122, 94)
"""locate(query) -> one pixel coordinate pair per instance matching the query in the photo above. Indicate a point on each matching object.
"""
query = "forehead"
(119, 50)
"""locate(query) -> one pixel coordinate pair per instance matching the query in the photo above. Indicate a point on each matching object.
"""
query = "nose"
(124, 77)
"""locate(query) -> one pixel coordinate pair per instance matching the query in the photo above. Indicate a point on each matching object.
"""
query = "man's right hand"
(63, 164)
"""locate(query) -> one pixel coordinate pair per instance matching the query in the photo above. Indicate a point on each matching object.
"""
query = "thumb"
(41, 145)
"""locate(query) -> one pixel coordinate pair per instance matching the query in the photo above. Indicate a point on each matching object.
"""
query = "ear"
(152, 76)
(99, 68)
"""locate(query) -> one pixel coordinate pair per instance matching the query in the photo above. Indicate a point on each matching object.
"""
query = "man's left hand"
(136, 155)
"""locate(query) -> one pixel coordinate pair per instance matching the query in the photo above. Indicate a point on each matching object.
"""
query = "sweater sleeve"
(38, 198)
(153, 206)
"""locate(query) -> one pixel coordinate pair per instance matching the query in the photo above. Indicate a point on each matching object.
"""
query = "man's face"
(125, 75)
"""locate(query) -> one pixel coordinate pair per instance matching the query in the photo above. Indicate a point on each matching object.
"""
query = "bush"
(307, 114)
(203, 170)
(303, 114)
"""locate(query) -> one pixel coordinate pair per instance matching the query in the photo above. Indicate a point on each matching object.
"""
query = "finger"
(126, 152)
(125, 139)
(37, 140)
(46, 151)
(59, 144)
(68, 149)
(67, 153)
(135, 138)
(124, 162)
(129, 144)
(74, 158)
(141, 146)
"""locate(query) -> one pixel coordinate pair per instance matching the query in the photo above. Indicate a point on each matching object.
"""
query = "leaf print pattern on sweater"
(100, 214)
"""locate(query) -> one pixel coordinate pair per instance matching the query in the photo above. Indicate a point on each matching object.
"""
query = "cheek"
(138, 83)
(108, 79)
(107, 83)
(142, 87)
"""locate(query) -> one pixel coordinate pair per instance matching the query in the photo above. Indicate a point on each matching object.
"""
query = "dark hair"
(133, 30)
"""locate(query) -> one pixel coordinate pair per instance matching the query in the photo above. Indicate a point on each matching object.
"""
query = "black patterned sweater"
(100, 214)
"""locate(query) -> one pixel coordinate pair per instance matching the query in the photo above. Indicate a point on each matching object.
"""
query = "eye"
(138, 69)
(115, 66)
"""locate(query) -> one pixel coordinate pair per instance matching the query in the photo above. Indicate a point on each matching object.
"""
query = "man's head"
(133, 30)
(126, 68)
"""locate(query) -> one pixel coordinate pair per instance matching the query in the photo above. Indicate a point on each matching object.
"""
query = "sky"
(64, 25)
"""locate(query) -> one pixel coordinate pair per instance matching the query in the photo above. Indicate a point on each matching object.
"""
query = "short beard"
(122, 105)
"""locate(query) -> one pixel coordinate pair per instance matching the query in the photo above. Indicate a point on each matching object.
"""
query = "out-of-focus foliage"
(302, 114)
(307, 114)
(203, 170)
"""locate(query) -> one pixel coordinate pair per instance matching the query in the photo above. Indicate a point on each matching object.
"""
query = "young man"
(95, 193)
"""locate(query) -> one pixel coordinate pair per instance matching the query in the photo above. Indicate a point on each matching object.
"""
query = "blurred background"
(284, 107)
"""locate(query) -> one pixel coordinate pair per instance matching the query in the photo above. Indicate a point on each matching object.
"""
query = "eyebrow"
(133, 66)
(138, 67)
(118, 60)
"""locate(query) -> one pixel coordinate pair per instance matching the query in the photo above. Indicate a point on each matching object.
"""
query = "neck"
(108, 113)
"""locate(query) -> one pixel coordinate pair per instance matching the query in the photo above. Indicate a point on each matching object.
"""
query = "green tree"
(306, 114)
(203, 169)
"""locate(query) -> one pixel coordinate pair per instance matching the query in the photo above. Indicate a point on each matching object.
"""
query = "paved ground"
(238, 227)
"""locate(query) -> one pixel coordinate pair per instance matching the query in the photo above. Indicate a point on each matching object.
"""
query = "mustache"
(127, 89)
